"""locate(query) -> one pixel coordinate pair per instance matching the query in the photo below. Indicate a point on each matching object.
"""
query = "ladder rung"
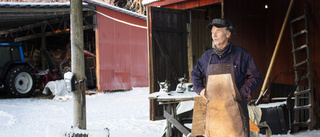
(298, 18)
(302, 107)
(299, 33)
(303, 77)
(281, 98)
(297, 93)
(297, 97)
(301, 63)
(300, 48)
(301, 124)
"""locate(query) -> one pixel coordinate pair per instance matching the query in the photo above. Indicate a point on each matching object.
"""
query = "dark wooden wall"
(169, 46)
(200, 34)
(315, 41)
(249, 18)
(168, 59)
(258, 31)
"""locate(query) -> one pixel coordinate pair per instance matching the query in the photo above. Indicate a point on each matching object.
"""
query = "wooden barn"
(115, 41)
(178, 36)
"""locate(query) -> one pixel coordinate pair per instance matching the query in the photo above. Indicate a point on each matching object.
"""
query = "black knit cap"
(220, 23)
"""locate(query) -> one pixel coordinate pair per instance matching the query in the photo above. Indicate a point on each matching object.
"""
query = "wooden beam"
(19, 39)
(39, 24)
(189, 45)
(176, 124)
(27, 27)
(198, 120)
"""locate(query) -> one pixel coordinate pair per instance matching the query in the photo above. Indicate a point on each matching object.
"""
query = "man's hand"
(203, 94)
(248, 100)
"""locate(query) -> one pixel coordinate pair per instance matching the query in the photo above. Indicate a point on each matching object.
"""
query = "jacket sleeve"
(197, 75)
(252, 78)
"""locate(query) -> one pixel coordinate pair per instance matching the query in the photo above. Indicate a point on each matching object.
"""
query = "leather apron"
(226, 113)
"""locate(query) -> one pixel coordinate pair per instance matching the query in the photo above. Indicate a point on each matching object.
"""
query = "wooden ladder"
(303, 106)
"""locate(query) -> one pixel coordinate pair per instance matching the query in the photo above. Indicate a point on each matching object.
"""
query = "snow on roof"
(145, 2)
(131, 13)
(67, 5)
(34, 5)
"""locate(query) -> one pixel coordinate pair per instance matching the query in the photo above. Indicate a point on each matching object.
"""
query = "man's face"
(220, 36)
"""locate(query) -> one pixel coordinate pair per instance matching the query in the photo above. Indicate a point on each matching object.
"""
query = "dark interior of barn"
(260, 28)
(45, 38)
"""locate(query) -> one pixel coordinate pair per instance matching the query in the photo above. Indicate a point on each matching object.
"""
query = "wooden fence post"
(77, 63)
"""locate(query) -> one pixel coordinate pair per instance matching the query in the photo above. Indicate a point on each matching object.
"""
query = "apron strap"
(210, 59)
(231, 59)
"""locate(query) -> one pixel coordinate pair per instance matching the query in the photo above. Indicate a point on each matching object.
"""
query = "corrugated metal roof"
(67, 5)
(102, 4)
(15, 14)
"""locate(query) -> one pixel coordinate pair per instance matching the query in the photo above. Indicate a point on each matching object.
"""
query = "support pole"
(77, 64)
(189, 45)
(43, 46)
(274, 53)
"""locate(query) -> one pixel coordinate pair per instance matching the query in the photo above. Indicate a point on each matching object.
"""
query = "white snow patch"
(125, 114)
(145, 2)
(58, 89)
(269, 105)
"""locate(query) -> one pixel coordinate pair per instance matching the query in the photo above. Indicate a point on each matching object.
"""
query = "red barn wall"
(122, 55)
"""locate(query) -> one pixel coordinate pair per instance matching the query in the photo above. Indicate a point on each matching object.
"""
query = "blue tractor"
(17, 76)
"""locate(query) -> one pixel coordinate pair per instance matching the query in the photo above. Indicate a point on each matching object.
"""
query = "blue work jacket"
(247, 75)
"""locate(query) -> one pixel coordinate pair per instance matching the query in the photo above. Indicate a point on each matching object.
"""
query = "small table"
(168, 100)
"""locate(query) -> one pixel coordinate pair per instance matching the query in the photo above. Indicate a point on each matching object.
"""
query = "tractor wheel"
(20, 81)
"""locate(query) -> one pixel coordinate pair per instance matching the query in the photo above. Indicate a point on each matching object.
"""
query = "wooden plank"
(152, 104)
(189, 45)
(52, 33)
(30, 26)
(198, 116)
(176, 123)
(253, 127)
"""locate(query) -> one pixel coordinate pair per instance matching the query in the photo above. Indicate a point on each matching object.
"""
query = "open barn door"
(168, 57)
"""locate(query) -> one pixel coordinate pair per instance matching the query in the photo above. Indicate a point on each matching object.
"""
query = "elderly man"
(225, 58)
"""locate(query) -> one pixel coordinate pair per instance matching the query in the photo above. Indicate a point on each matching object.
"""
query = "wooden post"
(189, 45)
(77, 64)
(43, 46)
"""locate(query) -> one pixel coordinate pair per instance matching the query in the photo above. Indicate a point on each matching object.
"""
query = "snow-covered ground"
(125, 114)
